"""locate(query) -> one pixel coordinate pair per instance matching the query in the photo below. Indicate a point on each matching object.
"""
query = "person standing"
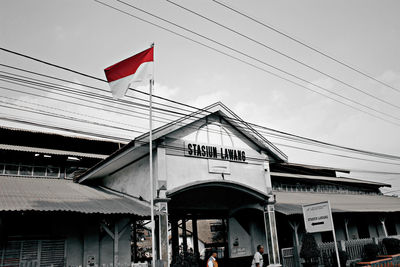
(212, 261)
(258, 260)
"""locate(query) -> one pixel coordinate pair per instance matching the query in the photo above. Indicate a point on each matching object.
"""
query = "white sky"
(86, 36)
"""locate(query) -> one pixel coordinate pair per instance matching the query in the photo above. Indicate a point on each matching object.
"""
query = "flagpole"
(153, 239)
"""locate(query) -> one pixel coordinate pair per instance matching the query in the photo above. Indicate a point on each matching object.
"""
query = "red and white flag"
(136, 69)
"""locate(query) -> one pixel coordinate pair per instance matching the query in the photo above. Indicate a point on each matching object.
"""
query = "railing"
(378, 263)
(326, 189)
(288, 258)
(354, 248)
(326, 250)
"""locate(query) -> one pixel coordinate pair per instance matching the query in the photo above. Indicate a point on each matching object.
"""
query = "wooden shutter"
(33, 253)
(52, 253)
(11, 254)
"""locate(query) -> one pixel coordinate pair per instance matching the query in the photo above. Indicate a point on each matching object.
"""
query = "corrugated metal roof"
(41, 194)
(51, 151)
(327, 178)
(70, 135)
(313, 167)
(290, 203)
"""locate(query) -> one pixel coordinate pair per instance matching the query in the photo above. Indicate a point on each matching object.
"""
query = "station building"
(207, 166)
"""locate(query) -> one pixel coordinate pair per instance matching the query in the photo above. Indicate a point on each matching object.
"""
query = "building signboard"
(317, 217)
(214, 152)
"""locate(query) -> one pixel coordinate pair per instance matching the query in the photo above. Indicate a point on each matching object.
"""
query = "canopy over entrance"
(214, 199)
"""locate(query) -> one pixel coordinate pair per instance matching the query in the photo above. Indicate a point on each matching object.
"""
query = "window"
(25, 170)
(11, 169)
(39, 171)
(52, 172)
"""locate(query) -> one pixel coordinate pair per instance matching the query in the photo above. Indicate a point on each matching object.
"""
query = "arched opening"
(219, 214)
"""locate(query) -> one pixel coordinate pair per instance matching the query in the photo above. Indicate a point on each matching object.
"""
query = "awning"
(289, 203)
(44, 194)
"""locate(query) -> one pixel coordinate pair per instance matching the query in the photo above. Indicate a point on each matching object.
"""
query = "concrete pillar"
(184, 236)
(134, 240)
(163, 232)
(272, 236)
(295, 228)
(346, 229)
(157, 238)
(195, 238)
(116, 240)
(174, 238)
(382, 220)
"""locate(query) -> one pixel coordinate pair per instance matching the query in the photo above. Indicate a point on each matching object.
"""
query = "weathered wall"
(106, 249)
(133, 179)
(74, 250)
(257, 231)
(124, 244)
(183, 170)
(242, 238)
(246, 232)
(90, 243)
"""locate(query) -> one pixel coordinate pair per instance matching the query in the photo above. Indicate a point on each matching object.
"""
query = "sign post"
(318, 218)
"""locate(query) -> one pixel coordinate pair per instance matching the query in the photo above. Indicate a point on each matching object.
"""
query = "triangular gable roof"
(139, 146)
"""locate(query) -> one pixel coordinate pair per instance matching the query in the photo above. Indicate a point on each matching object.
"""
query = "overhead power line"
(275, 133)
(41, 112)
(18, 107)
(252, 58)
(7, 117)
(219, 51)
(326, 55)
(65, 117)
(335, 154)
(262, 127)
(285, 55)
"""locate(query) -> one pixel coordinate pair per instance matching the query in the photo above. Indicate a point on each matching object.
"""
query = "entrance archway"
(219, 200)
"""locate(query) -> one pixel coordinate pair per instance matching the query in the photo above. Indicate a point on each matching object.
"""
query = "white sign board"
(318, 217)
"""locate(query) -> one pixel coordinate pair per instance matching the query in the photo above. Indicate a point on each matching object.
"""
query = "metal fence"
(354, 249)
(288, 257)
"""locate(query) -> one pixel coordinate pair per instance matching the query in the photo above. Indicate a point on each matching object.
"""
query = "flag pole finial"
(152, 44)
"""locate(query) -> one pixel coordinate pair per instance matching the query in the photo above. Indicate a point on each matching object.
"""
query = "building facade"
(218, 183)
(48, 220)
(209, 165)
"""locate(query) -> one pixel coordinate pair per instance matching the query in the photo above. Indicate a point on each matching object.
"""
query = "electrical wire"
(290, 137)
(269, 129)
(258, 60)
(326, 55)
(21, 108)
(284, 55)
